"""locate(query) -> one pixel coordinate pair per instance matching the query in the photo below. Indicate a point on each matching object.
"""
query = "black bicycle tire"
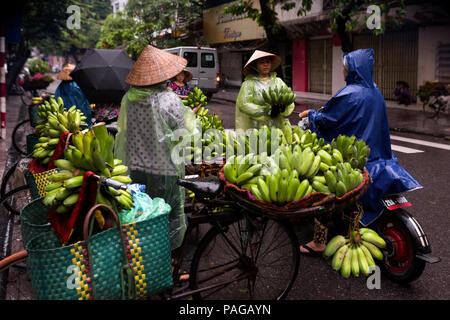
(215, 231)
(14, 134)
(10, 193)
(6, 177)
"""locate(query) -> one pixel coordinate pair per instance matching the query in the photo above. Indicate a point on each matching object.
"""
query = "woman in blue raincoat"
(359, 109)
(72, 94)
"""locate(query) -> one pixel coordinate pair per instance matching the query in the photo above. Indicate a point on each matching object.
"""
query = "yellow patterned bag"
(38, 181)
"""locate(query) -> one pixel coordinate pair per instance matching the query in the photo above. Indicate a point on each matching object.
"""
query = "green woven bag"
(34, 220)
(132, 261)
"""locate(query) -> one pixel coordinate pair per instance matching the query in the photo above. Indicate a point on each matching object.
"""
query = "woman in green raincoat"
(148, 120)
(251, 109)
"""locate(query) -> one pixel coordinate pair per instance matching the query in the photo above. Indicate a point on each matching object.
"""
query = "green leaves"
(150, 22)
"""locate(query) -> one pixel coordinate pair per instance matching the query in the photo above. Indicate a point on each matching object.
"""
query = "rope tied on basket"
(127, 272)
(354, 217)
(127, 276)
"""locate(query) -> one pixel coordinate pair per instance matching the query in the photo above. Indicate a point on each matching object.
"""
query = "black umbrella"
(101, 75)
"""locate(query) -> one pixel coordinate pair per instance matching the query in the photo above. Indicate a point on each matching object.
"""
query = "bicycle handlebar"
(110, 183)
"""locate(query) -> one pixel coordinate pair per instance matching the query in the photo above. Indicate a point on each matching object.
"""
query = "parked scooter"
(407, 246)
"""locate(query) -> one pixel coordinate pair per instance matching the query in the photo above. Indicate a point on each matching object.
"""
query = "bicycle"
(244, 255)
(258, 249)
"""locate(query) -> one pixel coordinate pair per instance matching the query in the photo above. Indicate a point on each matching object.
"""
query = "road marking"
(422, 142)
(404, 149)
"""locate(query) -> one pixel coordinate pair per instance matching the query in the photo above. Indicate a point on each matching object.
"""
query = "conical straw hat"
(261, 54)
(65, 72)
(154, 66)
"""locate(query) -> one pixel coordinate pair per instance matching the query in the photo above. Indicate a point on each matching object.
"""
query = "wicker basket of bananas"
(300, 178)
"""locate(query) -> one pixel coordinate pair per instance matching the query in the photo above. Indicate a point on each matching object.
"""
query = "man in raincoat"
(148, 119)
(359, 109)
(72, 94)
(251, 109)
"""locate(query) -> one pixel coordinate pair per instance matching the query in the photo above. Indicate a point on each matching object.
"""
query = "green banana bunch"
(92, 150)
(303, 156)
(208, 120)
(354, 151)
(55, 120)
(64, 191)
(194, 98)
(354, 254)
(346, 178)
(279, 97)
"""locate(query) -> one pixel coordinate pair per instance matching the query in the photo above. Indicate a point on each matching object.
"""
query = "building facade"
(234, 37)
(118, 5)
(417, 52)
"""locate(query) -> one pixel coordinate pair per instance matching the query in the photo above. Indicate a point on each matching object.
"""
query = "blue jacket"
(359, 109)
(72, 95)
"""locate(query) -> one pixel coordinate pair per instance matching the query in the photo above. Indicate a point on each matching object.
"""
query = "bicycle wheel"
(252, 258)
(14, 137)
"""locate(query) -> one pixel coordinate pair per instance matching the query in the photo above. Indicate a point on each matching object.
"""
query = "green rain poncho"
(148, 118)
(252, 111)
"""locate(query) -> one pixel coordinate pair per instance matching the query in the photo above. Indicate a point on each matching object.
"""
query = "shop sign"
(231, 34)
(222, 18)
(219, 27)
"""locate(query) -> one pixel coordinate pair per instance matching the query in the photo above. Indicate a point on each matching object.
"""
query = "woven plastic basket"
(314, 203)
(34, 220)
(131, 261)
(38, 181)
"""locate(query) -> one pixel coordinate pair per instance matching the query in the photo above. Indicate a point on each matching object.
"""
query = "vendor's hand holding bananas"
(278, 98)
(55, 120)
(356, 253)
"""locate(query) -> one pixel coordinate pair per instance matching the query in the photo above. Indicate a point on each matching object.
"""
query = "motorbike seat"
(209, 187)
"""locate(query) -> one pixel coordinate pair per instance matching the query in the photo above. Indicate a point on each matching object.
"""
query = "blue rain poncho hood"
(72, 95)
(359, 109)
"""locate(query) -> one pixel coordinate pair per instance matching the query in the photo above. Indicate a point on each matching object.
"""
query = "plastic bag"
(136, 188)
(144, 208)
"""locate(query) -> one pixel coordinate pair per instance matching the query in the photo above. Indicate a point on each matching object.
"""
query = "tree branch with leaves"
(347, 17)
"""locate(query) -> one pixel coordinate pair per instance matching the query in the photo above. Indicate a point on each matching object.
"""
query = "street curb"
(396, 129)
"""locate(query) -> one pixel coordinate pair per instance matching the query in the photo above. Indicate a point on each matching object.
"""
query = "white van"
(204, 64)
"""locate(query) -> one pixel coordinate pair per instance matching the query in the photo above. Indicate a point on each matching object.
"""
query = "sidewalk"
(401, 118)
(14, 284)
